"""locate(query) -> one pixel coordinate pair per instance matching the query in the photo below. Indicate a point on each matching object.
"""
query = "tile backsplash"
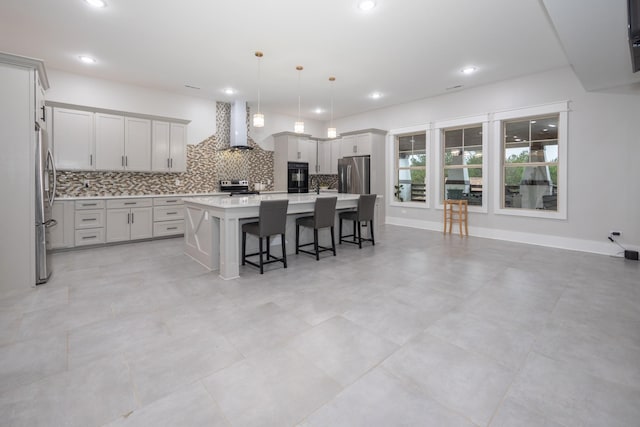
(207, 163)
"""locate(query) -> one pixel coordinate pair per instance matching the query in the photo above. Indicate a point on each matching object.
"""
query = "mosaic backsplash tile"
(207, 163)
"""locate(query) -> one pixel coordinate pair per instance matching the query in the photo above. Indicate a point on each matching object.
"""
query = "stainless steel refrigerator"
(354, 175)
(45, 195)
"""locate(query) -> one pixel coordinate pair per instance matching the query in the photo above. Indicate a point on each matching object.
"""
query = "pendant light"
(331, 131)
(258, 118)
(298, 127)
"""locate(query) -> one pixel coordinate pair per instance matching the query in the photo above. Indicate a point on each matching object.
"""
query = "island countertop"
(254, 200)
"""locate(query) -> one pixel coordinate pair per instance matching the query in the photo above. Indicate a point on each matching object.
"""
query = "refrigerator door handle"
(50, 223)
(52, 194)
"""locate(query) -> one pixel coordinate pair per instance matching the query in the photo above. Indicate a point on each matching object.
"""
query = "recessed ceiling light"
(376, 95)
(96, 3)
(533, 122)
(552, 125)
(229, 91)
(469, 70)
(87, 59)
(366, 5)
(318, 110)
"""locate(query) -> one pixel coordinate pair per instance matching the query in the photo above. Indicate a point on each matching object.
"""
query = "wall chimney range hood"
(238, 139)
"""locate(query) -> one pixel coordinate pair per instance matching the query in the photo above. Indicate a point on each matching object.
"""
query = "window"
(530, 174)
(531, 144)
(411, 167)
(462, 160)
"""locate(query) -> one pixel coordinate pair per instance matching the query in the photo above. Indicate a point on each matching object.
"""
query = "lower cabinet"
(168, 216)
(89, 222)
(62, 234)
(129, 219)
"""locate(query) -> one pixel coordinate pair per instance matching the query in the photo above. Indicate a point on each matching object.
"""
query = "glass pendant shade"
(298, 127)
(332, 133)
(258, 120)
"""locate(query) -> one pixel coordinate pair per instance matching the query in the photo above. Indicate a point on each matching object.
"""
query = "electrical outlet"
(85, 183)
(177, 181)
(615, 233)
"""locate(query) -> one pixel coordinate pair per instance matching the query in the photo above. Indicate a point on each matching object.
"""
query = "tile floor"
(420, 330)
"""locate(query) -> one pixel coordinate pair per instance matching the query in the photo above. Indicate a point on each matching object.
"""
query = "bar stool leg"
(466, 218)
(315, 243)
(445, 216)
(359, 235)
(284, 251)
(297, 239)
(261, 262)
(333, 242)
(373, 239)
(244, 247)
(450, 217)
(460, 216)
(268, 248)
(340, 231)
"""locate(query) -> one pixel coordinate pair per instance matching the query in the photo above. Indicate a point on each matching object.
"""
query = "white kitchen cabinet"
(73, 139)
(61, 235)
(328, 154)
(169, 146)
(89, 222)
(129, 219)
(356, 145)
(123, 143)
(168, 216)
(109, 142)
(137, 144)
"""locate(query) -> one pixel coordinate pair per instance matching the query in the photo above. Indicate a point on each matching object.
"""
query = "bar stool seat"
(364, 212)
(272, 221)
(324, 216)
(456, 210)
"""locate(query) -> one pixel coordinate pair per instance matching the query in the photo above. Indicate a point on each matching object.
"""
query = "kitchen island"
(213, 225)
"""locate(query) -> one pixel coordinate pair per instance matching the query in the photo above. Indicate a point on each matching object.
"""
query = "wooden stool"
(460, 214)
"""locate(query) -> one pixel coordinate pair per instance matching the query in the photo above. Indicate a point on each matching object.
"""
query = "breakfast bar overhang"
(212, 225)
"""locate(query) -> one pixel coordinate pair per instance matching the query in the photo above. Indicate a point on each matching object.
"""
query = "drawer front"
(168, 213)
(168, 228)
(89, 219)
(94, 236)
(129, 203)
(167, 201)
(90, 204)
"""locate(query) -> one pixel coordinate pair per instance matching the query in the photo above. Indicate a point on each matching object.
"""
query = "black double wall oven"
(298, 177)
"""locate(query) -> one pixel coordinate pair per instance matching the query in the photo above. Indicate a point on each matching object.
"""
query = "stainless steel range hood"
(238, 137)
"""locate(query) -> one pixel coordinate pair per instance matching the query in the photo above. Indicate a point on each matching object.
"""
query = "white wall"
(81, 90)
(603, 152)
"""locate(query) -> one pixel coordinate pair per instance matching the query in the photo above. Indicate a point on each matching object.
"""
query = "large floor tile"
(189, 406)
(27, 361)
(90, 396)
(380, 399)
(164, 368)
(572, 397)
(513, 414)
(342, 349)
(276, 388)
(466, 382)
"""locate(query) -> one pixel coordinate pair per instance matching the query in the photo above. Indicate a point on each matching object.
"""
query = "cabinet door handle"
(170, 201)
(171, 163)
(90, 159)
(122, 161)
(130, 203)
(89, 204)
(168, 164)
(89, 219)
(126, 161)
(44, 114)
(89, 237)
(172, 228)
(132, 218)
(172, 213)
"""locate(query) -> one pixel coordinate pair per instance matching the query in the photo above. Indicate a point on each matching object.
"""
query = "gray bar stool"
(272, 221)
(324, 216)
(366, 207)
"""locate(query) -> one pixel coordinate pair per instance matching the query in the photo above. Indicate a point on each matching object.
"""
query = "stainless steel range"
(236, 187)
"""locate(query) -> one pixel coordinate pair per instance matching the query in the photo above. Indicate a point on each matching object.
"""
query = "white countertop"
(142, 196)
(254, 200)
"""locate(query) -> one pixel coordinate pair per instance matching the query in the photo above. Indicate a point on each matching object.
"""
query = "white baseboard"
(569, 243)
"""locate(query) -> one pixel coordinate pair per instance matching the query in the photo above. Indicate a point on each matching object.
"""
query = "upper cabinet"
(328, 155)
(86, 140)
(356, 145)
(73, 139)
(169, 147)
(123, 143)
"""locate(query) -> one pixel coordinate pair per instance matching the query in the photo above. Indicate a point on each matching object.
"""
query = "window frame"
(463, 122)
(392, 154)
(562, 110)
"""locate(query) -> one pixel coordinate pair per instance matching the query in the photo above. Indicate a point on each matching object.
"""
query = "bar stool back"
(364, 212)
(456, 210)
(272, 221)
(324, 215)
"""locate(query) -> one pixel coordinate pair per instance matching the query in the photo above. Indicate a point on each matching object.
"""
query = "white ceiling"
(405, 49)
